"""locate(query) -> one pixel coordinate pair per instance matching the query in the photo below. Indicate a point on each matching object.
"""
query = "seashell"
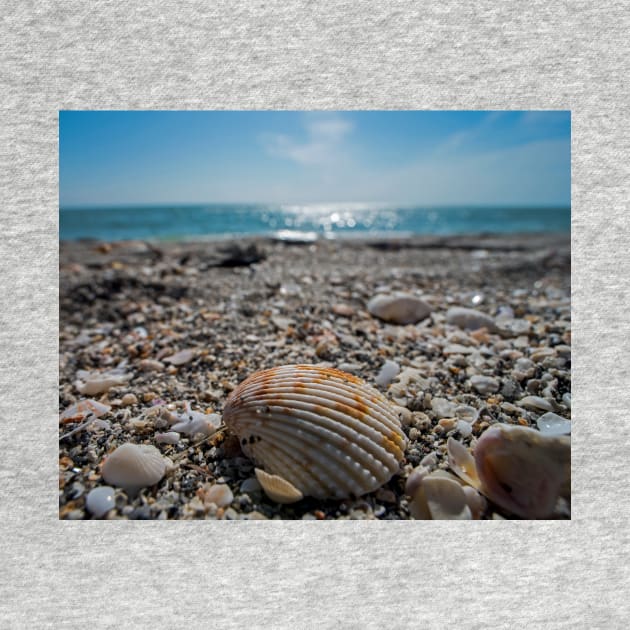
(134, 466)
(476, 502)
(518, 468)
(84, 408)
(323, 431)
(446, 499)
(277, 488)
(171, 437)
(90, 384)
(523, 470)
(462, 462)
(399, 308)
(437, 496)
(192, 422)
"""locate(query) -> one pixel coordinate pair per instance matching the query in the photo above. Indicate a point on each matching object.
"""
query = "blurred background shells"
(323, 431)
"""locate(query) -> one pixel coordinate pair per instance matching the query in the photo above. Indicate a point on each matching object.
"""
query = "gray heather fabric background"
(304, 55)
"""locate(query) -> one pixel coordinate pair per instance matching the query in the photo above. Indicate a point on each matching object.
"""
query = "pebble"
(464, 428)
(171, 437)
(181, 358)
(151, 365)
(443, 408)
(128, 400)
(100, 500)
(566, 399)
(535, 403)
(344, 310)
(485, 384)
(456, 348)
(553, 424)
(469, 319)
(388, 372)
(541, 354)
(399, 308)
(219, 494)
(251, 486)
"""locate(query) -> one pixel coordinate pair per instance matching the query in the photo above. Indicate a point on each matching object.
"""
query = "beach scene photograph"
(314, 315)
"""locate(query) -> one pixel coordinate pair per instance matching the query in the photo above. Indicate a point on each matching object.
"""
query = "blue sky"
(406, 157)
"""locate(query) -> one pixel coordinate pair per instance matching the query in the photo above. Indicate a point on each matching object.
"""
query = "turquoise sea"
(308, 221)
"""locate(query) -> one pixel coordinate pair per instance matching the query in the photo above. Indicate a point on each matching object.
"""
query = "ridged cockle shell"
(322, 430)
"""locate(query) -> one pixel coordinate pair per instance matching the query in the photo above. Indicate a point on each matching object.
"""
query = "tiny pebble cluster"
(459, 333)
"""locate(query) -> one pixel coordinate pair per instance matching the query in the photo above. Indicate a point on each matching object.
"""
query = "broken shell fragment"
(518, 468)
(90, 384)
(324, 431)
(523, 470)
(462, 462)
(84, 408)
(277, 488)
(446, 499)
(436, 496)
(134, 466)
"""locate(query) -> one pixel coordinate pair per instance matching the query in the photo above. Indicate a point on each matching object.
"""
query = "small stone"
(151, 365)
(443, 408)
(385, 495)
(128, 400)
(469, 319)
(535, 403)
(230, 514)
(344, 310)
(542, 353)
(100, 500)
(181, 358)
(399, 308)
(282, 323)
(456, 348)
(251, 486)
(219, 494)
(464, 428)
(485, 384)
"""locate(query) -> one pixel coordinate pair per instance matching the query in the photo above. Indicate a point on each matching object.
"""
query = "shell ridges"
(321, 430)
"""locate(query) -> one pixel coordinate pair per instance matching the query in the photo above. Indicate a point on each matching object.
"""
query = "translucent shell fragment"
(325, 432)
(518, 468)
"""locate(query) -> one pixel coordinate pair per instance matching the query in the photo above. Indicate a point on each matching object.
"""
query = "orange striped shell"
(326, 432)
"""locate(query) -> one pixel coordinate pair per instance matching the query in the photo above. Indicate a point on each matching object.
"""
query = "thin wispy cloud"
(325, 137)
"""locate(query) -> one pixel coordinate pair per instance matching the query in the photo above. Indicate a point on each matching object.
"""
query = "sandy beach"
(185, 322)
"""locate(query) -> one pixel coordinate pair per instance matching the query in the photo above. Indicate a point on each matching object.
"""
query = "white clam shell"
(324, 431)
(134, 466)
